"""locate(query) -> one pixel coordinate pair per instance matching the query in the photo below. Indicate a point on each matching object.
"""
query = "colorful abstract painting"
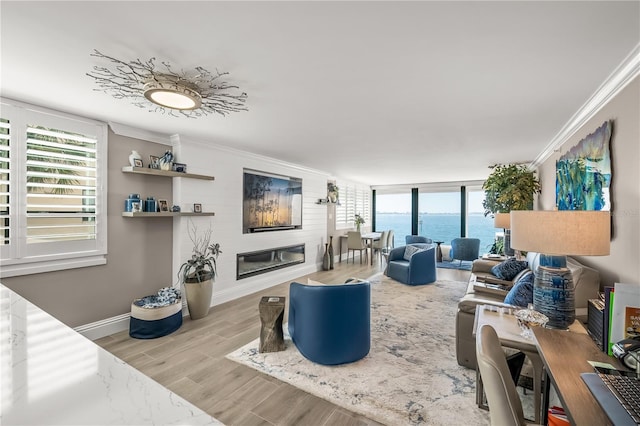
(583, 174)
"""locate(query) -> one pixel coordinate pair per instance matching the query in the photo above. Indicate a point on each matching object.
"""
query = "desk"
(369, 238)
(565, 355)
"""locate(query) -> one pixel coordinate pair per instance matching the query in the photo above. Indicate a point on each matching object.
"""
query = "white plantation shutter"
(353, 199)
(52, 190)
(61, 186)
(5, 159)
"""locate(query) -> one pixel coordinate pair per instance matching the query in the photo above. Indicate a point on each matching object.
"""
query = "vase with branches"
(198, 273)
(359, 221)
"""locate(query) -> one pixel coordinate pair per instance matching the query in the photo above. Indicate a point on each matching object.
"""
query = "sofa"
(415, 269)
(586, 282)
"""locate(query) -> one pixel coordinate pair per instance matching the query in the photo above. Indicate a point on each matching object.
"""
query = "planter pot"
(198, 298)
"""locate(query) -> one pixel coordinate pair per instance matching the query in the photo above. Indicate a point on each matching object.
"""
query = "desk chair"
(354, 242)
(505, 407)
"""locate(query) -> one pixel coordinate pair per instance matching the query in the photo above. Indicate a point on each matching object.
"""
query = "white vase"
(134, 156)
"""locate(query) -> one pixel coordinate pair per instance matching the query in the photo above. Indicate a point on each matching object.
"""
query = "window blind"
(5, 159)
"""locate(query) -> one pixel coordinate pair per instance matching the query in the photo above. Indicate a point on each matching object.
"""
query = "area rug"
(410, 376)
(455, 264)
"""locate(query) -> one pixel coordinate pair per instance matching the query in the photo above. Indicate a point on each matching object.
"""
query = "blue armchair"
(331, 324)
(419, 269)
(413, 239)
(465, 249)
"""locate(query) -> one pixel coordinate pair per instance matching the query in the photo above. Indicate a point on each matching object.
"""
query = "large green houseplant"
(198, 273)
(509, 187)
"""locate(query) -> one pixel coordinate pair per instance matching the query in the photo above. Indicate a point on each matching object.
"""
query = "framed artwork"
(153, 162)
(197, 208)
(137, 162)
(583, 174)
(163, 205)
(179, 167)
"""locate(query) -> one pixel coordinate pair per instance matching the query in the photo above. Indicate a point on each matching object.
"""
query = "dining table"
(368, 238)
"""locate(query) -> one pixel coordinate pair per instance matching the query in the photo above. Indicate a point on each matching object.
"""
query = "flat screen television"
(270, 202)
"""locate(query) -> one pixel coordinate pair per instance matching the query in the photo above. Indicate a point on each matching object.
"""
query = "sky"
(432, 202)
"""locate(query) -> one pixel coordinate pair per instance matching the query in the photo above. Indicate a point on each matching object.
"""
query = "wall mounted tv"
(270, 202)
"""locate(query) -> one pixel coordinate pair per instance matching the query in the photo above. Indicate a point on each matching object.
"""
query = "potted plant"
(359, 221)
(198, 273)
(509, 187)
(332, 192)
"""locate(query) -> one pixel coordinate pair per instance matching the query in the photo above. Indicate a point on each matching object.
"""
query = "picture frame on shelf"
(137, 162)
(197, 208)
(179, 167)
(153, 162)
(163, 205)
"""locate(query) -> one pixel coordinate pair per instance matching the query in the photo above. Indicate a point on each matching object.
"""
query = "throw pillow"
(508, 269)
(521, 294)
(410, 251)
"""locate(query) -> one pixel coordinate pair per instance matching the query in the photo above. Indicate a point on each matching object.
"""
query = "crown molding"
(628, 70)
(137, 133)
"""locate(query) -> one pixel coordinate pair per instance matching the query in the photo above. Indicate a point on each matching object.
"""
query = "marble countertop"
(51, 375)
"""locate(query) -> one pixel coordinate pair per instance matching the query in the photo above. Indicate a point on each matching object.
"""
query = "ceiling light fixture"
(170, 92)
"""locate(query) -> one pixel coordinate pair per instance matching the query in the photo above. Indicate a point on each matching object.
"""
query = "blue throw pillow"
(410, 251)
(521, 294)
(508, 269)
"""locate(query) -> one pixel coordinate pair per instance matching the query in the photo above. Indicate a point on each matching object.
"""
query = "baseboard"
(109, 326)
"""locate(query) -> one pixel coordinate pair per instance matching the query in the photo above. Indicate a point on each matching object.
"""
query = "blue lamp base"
(553, 292)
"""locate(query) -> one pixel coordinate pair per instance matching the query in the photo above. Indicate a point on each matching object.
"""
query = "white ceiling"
(376, 92)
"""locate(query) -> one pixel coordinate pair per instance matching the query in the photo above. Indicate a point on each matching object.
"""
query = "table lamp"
(503, 220)
(556, 234)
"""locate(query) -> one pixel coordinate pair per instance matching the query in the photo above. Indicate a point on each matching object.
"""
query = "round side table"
(438, 251)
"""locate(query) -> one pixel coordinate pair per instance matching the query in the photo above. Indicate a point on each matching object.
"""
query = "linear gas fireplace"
(262, 261)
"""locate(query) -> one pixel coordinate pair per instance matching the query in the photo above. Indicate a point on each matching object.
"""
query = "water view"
(439, 227)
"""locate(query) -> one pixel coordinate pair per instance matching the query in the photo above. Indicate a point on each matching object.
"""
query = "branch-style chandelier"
(168, 91)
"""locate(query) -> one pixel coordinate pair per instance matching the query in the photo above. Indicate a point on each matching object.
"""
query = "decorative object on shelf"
(557, 234)
(198, 273)
(583, 174)
(150, 205)
(176, 93)
(179, 167)
(133, 157)
(359, 221)
(163, 206)
(325, 258)
(166, 160)
(197, 208)
(330, 250)
(154, 162)
(175, 209)
(128, 203)
(332, 192)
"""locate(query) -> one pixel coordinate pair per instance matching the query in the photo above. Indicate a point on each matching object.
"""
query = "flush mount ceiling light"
(167, 91)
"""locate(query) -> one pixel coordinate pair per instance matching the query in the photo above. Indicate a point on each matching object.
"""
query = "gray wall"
(623, 264)
(139, 251)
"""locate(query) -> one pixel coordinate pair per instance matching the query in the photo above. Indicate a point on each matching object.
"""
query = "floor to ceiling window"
(393, 212)
(479, 226)
(441, 213)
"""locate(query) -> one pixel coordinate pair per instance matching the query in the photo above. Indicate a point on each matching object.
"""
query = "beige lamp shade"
(561, 232)
(502, 220)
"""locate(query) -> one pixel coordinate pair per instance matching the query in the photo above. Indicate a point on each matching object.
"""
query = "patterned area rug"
(410, 376)
(455, 264)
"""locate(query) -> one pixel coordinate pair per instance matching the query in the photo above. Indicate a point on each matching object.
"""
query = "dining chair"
(381, 244)
(391, 242)
(354, 242)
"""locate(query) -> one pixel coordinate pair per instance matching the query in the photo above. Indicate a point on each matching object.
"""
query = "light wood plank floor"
(191, 361)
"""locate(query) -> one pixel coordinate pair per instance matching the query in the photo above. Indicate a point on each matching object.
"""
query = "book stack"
(615, 315)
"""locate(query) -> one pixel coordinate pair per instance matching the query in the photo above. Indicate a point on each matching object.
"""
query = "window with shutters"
(354, 199)
(52, 190)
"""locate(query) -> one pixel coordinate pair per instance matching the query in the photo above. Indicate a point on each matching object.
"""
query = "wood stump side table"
(271, 315)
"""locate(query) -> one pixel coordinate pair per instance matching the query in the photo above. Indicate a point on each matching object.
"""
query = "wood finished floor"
(191, 362)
